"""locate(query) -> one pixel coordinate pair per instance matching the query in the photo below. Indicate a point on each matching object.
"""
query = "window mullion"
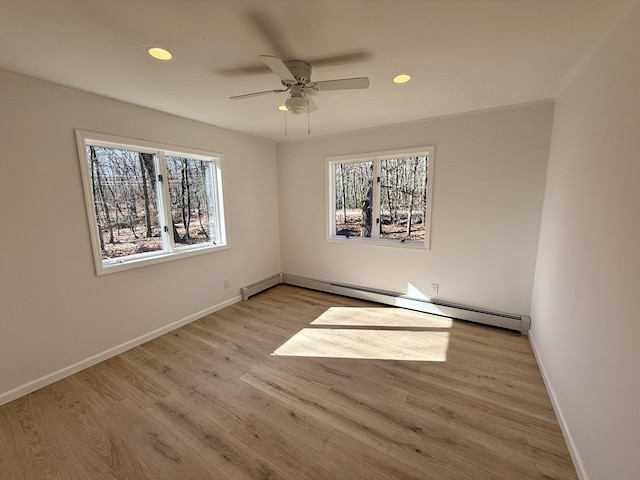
(331, 189)
(218, 208)
(164, 202)
(376, 207)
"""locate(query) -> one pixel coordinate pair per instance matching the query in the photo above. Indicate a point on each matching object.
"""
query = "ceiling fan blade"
(340, 59)
(278, 67)
(257, 94)
(271, 29)
(243, 70)
(341, 84)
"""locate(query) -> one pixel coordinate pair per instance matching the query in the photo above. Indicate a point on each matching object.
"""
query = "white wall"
(585, 326)
(54, 310)
(490, 172)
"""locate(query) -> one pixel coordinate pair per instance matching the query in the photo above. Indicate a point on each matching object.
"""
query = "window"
(383, 197)
(148, 203)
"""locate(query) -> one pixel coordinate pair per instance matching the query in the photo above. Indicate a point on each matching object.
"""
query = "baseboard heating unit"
(509, 321)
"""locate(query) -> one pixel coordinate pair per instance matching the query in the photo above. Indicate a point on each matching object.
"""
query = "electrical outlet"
(227, 283)
(434, 289)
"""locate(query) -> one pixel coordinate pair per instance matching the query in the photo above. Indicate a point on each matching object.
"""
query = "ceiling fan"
(295, 76)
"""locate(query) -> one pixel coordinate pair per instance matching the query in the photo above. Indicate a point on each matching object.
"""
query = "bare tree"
(412, 194)
(147, 170)
(205, 197)
(186, 200)
(95, 168)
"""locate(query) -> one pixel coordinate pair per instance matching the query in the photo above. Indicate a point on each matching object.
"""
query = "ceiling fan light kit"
(297, 105)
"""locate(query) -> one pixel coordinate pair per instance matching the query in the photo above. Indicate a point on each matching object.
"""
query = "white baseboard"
(573, 451)
(50, 378)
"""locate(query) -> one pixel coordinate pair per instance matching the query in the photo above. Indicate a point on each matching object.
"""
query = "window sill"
(119, 266)
(408, 244)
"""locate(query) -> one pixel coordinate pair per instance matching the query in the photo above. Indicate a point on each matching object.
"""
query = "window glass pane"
(354, 197)
(192, 205)
(124, 186)
(403, 198)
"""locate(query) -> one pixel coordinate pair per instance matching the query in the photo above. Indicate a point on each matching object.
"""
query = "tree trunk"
(176, 235)
(96, 194)
(183, 195)
(186, 178)
(367, 212)
(105, 206)
(344, 192)
(145, 190)
(203, 180)
(412, 195)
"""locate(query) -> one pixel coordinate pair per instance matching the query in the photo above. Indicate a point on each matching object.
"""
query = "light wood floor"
(340, 400)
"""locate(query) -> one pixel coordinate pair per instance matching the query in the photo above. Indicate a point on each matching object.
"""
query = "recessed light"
(159, 53)
(404, 78)
(283, 108)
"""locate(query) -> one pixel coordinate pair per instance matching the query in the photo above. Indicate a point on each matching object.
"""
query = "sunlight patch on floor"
(367, 344)
(380, 317)
(380, 333)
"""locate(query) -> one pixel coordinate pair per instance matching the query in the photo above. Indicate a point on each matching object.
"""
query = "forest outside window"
(149, 203)
(383, 197)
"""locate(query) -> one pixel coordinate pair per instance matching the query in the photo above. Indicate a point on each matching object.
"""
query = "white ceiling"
(464, 55)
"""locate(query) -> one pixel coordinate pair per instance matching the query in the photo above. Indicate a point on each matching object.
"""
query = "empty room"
(296, 240)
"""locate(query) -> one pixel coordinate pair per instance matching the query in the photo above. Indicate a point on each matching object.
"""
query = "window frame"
(377, 158)
(169, 251)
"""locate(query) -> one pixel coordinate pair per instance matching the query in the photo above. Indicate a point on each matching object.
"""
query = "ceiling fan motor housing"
(301, 71)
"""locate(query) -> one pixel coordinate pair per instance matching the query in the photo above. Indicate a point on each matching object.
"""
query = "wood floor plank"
(102, 454)
(228, 455)
(33, 445)
(490, 389)
(213, 400)
(515, 428)
(447, 437)
(330, 370)
(345, 373)
(301, 395)
(365, 462)
(294, 457)
(204, 334)
(434, 452)
(293, 423)
(163, 453)
(234, 358)
(189, 390)
(139, 385)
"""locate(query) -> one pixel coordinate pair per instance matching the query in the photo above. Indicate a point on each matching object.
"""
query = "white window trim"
(169, 253)
(373, 156)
